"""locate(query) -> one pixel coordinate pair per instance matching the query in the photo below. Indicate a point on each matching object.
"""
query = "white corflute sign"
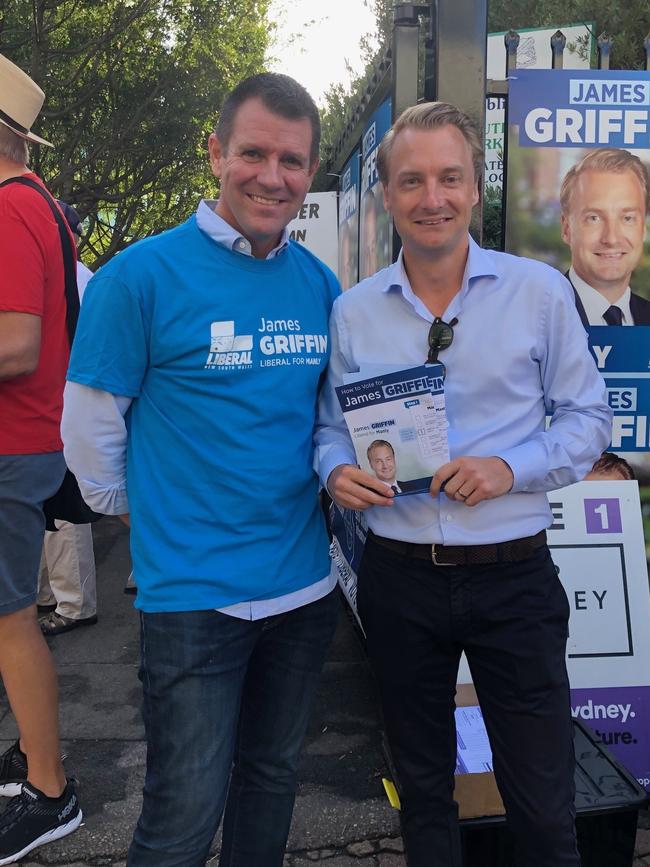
(597, 544)
(316, 226)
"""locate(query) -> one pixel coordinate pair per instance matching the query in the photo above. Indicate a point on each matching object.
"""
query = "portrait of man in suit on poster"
(604, 205)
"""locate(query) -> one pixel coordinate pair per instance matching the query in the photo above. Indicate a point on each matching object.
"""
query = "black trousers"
(511, 620)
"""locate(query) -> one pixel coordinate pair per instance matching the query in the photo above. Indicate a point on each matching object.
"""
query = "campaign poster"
(349, 221)
(349, 532)
(578, 157)
(596, 541)
(533, 52)
(375, 229)
(315, 226)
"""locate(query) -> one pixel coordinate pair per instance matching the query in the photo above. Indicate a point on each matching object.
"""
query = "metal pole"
(461, 49)
(461, 55)
(511, 41)
(604, 50)
(558, 43)
(406, 33)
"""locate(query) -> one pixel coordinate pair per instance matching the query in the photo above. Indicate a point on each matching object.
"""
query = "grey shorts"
(26, 481)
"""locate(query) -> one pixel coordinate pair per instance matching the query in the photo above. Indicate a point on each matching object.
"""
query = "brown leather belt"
(466, 555)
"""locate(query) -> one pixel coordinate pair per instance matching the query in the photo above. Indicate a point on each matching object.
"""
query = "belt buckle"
(434, 558)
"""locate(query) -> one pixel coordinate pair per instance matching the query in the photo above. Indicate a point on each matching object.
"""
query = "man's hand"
(125, 519)
(353, 488)
(471, 480)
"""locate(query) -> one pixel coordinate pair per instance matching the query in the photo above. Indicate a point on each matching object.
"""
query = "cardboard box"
(477, 794)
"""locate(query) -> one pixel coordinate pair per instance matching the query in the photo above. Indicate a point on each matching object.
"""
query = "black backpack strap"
(70, 270)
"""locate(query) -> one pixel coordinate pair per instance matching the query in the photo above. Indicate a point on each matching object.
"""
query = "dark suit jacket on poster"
(639, 308)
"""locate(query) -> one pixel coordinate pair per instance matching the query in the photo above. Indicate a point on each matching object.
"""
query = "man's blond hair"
(615, 160)
(432, 115)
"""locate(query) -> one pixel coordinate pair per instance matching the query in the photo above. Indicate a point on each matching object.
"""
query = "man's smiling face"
(431, 189)
(265, 173)
(382, 461)
(605, 228)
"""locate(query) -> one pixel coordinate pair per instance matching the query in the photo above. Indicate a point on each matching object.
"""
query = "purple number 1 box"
(603, 516)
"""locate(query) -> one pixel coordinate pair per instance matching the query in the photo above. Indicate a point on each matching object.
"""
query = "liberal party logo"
(229, 351)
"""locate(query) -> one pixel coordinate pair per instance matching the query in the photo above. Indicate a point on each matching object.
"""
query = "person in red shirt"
(34, 353)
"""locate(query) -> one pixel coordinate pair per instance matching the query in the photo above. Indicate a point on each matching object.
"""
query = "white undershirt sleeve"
(94, 445)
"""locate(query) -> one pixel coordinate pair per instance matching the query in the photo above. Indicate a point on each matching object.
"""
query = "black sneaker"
(32, 819)
(13, 771)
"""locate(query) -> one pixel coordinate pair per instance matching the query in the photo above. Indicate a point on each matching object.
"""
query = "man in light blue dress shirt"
(466, 566)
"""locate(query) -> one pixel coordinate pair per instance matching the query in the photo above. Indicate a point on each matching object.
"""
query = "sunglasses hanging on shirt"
(441, 336)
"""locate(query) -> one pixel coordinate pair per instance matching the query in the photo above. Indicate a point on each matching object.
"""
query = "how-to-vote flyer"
(398, 425)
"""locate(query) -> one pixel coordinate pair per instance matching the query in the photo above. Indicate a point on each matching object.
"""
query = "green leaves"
(627, 21)
(132, 90)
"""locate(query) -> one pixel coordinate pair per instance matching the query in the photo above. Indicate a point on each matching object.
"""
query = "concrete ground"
(342, 816)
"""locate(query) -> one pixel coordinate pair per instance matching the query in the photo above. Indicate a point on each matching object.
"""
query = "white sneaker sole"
(8, 790)
(48, 837)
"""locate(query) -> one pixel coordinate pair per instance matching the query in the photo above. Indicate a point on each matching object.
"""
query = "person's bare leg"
(29, 678)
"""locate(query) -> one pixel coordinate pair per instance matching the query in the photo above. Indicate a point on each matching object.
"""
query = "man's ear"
(313, 168)
(384, 190)
(566, 231)
(216, 154)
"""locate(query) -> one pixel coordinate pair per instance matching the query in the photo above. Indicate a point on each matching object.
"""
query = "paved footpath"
(342, 817)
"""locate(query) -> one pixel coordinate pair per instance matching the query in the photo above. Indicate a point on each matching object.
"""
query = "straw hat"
(20, 101)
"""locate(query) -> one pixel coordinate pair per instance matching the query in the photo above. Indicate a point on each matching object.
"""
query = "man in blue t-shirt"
(189, 412)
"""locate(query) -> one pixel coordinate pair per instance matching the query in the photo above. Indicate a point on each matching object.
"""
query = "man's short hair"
(281, 94)
(432, 115)
(12, 146)
(375, 444)
(616, 160)
(609, 463)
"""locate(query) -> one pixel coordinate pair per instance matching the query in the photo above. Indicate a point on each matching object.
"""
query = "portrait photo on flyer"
(398, 425)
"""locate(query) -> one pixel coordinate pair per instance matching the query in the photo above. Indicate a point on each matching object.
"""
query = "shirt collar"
(595, 304)
(480, 263)
(224, 234)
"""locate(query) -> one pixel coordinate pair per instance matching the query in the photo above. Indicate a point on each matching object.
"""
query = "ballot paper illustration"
(224, 339)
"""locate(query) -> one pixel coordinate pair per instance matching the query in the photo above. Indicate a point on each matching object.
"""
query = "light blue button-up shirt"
(519, 354)
(223, 233)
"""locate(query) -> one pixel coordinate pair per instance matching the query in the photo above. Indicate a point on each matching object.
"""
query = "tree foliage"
(626, 21)
(132, 91)
(340, 99)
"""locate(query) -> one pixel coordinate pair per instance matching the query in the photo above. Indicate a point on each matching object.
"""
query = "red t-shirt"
(32, 281)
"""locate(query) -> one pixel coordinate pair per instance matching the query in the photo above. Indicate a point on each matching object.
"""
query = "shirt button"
(449, 518)
(241, 244)
(525, 487)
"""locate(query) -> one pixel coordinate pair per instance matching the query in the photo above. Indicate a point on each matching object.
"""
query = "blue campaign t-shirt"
(222, 355)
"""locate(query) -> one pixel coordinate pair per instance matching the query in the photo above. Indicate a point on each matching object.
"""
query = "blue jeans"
(226, 706)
